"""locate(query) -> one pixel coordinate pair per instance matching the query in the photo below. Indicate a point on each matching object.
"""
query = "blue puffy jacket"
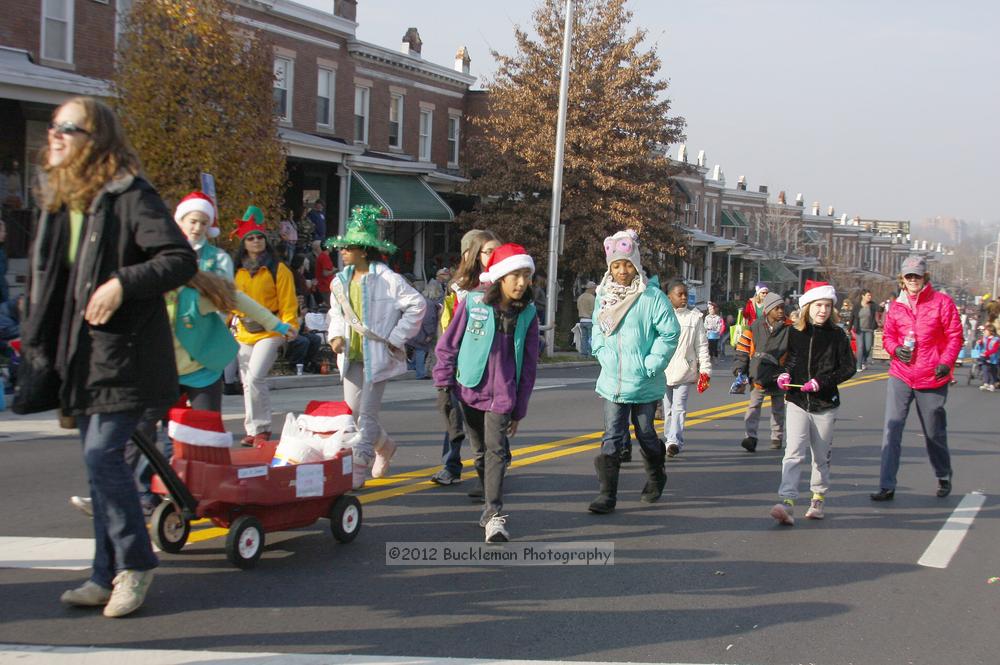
(633, 358)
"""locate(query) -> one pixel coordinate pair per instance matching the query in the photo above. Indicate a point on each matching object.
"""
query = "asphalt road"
(703, 576)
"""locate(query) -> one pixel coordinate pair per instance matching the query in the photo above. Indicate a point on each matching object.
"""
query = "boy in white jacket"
(691, 363)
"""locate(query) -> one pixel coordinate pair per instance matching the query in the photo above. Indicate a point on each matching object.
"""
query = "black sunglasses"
(67, 128)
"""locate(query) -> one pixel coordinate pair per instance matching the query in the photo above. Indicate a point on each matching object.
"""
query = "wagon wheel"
(345, 518)
(170, 529)
(245, 541)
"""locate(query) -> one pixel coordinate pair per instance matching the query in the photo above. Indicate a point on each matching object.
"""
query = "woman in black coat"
(96, 339)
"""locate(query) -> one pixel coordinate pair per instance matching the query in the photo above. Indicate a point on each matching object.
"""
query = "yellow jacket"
(277, 298)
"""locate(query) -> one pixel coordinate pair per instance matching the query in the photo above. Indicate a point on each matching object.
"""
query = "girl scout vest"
(208, 258)
(204, 336)
(480, 329)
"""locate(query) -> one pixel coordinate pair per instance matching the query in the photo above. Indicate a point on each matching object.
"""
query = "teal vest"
(204, 336)
(480, 328)
(209, 258)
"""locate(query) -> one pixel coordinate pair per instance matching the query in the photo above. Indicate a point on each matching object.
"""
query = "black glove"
(941, 371)
(904, 353)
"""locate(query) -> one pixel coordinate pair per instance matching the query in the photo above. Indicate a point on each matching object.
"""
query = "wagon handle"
(179, 492)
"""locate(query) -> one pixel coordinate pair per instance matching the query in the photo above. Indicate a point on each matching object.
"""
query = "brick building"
(362, 123)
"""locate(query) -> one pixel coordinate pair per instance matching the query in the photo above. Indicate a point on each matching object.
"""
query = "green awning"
(775, 272)
(406, 198)
(734, 219)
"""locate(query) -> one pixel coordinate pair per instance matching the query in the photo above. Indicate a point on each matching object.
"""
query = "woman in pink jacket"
(923, 334)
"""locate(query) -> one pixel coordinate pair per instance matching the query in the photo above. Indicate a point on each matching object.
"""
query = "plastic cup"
(298, 369)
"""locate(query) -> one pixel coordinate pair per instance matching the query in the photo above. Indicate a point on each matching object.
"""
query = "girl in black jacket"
(819, 358)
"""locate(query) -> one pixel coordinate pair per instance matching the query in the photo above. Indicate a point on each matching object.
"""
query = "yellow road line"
(548, 451)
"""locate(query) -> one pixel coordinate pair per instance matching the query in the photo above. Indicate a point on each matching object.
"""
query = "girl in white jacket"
(690, 364)
(373, 311)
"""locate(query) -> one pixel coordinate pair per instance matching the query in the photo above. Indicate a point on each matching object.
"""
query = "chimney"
(411, 43)
(829, 211)
(781, 197)
(741, 183)
(701, 158)
(682, 153)
(843, 218)
(762, 189)
(462, 60)
(798, 199)
(717, 172)
(816, 208)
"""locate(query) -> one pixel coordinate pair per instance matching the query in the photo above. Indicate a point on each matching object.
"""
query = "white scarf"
(616, 301)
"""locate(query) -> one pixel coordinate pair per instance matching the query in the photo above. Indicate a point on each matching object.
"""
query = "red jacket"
(938, 329)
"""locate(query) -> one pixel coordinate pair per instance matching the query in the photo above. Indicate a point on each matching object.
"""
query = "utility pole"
(996, 265)
(557, 176)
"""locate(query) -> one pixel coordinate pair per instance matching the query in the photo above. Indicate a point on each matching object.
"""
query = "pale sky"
(882, 108)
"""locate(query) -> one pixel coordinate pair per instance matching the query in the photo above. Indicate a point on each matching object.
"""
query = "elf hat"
(623, 245)
(817, 291)
(253, 220)
(506, 259)
(198, 202)
(363, 231)
(327, 416)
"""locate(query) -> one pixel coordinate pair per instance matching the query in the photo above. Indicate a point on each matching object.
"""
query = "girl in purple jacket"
(488, 357)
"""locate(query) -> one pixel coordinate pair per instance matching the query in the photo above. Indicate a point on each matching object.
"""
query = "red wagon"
(241, 491)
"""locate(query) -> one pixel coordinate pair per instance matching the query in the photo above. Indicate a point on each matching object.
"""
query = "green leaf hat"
(362, 231)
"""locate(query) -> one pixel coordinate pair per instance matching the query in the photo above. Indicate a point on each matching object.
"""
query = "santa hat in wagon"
(199, 435)
(817, 291)
(199, 202)
(324, 417)
(504, 260)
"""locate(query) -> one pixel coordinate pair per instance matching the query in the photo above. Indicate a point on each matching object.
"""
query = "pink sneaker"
(382, 457)
(359, 470)
(783, 513)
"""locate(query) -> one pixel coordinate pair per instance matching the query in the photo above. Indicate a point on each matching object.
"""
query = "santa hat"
(253, 220)
(623, 245)
(198, 202)
(817, 291)
(199, 435)
(506, 259)
(323, 417)
(760, 286)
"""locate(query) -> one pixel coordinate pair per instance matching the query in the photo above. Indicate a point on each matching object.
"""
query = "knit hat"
(199, 435)
(506, 259)
(253, 220)
(771, 300)
(623, 245)
(198, 202)
(913, 265)
(363, 231)
(324, 417)
(760, 286)
(817, 291)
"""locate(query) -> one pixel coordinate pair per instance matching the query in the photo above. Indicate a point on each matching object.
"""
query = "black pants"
(487, 435)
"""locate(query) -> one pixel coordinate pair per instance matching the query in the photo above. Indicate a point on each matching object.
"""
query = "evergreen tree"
(618, 127)
(195, 93)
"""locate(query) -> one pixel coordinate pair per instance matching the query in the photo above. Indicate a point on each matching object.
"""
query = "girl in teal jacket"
(634, 339)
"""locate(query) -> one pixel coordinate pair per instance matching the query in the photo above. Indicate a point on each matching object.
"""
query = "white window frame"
(454, 143)
(69, 21)
(427, 137)
(396, 105)
(362, 98)
(331, 83)
(289, 85)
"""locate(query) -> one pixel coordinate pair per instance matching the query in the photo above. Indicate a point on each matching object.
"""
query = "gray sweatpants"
(365, 400)
(256, 361)
(807, 431)
(933, 420)
(752, 417)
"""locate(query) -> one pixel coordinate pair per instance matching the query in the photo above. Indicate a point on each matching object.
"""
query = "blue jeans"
(675, 412)
(419, 362)
(865, 339)
(586, 330)
(933, 419)
(121, 541)
(616, 422)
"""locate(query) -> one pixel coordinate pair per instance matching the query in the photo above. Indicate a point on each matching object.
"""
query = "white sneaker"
(382, 457)
(83, 504)
(815, 511)
(90, 594)
(359, 470)
(129, 592)
(496, 529)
